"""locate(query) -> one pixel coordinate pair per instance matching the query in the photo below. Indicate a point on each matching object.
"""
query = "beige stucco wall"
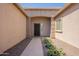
(70, 26)
(12, 26)
(52, 32)
(44, 25)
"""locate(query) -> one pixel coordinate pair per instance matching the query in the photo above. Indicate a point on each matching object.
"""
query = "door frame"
(39, 29)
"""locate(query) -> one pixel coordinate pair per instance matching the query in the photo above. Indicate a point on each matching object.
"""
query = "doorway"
(36, 29)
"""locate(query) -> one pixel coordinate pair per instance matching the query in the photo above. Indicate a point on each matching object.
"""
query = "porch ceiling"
(41, 12)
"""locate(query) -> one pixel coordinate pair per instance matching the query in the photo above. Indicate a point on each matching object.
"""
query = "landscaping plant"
(52, 50)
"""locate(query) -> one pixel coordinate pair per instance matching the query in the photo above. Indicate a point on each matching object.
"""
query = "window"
(58, 25)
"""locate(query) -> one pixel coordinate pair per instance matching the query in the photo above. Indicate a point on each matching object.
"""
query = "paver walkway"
(34, 48)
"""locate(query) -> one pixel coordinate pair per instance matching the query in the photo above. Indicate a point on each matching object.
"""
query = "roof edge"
(42, 8)
(20, 8)
(61, 10)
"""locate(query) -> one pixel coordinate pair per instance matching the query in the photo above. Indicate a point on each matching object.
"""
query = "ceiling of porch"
(41, 12)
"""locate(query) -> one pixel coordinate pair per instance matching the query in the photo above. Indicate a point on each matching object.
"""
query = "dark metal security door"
(36, 29)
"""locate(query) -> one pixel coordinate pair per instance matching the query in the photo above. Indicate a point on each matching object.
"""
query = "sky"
(41, 5)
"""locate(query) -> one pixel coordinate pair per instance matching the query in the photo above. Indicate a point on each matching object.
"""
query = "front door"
(36, 29)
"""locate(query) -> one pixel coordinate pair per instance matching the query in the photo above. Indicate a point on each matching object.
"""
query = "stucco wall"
(12, 26)
(44, 25)
(70, 26)
(52, 32)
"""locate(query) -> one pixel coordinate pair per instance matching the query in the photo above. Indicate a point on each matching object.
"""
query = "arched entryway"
(40, 26)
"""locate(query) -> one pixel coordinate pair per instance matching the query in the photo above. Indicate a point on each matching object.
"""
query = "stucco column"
(52, 34)
(28, 27)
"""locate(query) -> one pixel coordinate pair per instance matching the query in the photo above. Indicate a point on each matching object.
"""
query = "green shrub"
(61, 52)
(52, 50)
(46, 41)
(48, 46)
(55, 52)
